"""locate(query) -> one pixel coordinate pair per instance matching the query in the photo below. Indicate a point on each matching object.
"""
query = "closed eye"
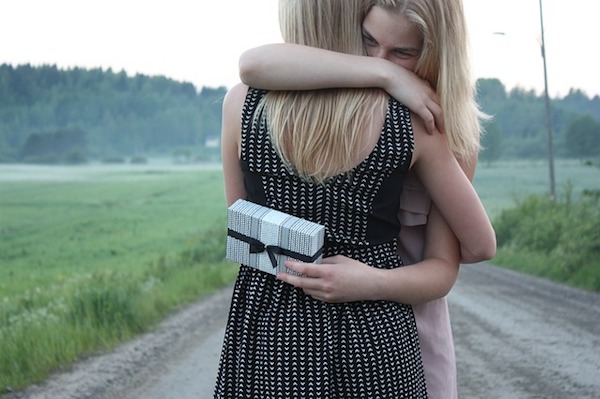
(406, 53)
(368, 40)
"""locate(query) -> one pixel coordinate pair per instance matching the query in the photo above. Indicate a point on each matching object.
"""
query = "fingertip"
(431, 128)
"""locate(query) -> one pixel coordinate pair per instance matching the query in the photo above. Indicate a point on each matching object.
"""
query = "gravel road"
(516, 337)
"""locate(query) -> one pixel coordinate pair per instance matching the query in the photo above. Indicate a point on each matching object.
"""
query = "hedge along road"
(516, 337)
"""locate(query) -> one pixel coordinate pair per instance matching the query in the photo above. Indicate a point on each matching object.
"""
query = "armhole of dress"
(253, 96)
(407, 135)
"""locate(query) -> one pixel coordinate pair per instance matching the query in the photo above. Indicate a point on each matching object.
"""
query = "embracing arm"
(466, 256)
(231, 127)
(296, 67)
(435, 275)
(454, 195)
(341, 279)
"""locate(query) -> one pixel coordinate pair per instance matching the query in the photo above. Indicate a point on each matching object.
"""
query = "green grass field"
(502, 183)
(91, 256)
(52, 231)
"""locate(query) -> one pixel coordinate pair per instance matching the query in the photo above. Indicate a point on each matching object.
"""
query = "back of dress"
(358, 209)
(281, 343)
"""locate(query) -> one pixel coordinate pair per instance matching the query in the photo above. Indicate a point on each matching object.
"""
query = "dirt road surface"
(516, 337)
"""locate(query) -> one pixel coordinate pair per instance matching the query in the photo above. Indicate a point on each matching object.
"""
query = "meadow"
(501, 184)
(90, 256)
(558, 240)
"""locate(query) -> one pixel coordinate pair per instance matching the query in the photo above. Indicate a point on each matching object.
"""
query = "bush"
(109, 307)
(75, 157)
(536, 224)
(562, 237)
(113, 160)
(138, 160)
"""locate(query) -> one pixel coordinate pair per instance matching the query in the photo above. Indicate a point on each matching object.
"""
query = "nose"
(381, 53)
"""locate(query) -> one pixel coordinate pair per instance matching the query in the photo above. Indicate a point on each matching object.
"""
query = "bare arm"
(454, 195)
(436, 274)
(341, 279)
(469, 167)
(231, 128)
(295, 67)
(346, 279)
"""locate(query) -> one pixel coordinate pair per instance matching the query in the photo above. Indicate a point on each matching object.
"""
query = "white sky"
(199, 41)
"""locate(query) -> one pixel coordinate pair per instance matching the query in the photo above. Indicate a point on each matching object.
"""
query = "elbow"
(485, 250)
(478, 256)
(442, 291)
(489, 249)
(249, 66)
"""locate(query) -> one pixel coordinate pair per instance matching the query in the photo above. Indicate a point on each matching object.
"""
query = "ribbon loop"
(273, 250)
(257, 246)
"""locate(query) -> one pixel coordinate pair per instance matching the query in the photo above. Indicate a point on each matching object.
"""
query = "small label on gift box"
(264, 238)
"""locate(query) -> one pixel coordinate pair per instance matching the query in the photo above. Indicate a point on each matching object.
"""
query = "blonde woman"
(437, 53)
(338, 157)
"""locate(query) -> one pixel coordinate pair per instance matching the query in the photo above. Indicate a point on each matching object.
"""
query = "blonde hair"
(318, 132)
(445, 63)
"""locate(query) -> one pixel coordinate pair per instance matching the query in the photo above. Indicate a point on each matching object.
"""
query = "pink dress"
(433, 318)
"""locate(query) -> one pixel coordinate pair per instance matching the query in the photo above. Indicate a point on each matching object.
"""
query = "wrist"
(384, 74)
(380, 285)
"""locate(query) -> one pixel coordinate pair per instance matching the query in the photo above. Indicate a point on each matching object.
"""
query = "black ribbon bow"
(257, 246)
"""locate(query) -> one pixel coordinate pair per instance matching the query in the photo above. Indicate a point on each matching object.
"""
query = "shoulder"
(233, 107)
(427, 145)
(235, 97)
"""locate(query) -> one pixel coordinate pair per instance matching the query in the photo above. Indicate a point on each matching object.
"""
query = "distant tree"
(123, 115)
(491, 143)
(67, 145)
(583, 137)
(577, 102)
(182, 155)
(37, 145)
(491, 90)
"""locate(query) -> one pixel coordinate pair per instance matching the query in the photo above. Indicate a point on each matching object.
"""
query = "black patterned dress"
(282, 344)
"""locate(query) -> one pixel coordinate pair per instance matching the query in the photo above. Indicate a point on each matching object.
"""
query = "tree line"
(54, 115)
(519, 130)
(107, 114)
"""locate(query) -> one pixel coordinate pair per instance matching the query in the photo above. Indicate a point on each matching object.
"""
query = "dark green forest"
(519, 130)
(54, 115)
(51, 115)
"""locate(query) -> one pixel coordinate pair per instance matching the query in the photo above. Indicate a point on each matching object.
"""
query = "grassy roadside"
(502, 184)
(88, 264)
(558, 240)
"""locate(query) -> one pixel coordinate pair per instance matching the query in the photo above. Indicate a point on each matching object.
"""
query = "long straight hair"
(445, 63)
(318, 133)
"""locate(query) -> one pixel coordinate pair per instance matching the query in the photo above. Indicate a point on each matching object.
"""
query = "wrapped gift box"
(264, 238)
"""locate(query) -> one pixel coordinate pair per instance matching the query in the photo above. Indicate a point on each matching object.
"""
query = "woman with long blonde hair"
(436, 83)
(342, 329)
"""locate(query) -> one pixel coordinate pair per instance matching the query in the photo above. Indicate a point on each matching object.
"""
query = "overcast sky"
(200, 41)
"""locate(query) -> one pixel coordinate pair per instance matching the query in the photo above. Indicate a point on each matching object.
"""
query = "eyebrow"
(415, 50)
(367, 33)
